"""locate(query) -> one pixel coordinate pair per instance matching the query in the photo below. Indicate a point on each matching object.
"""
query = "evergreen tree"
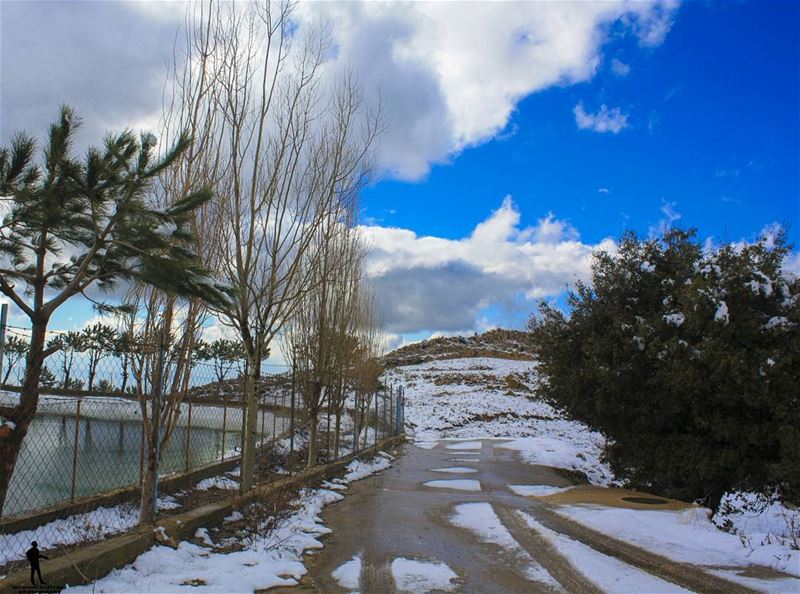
(223, 354)
(99, 340)
(688, 361)
(74, 224)
(67, 346)
(123, 349)
(14, 351)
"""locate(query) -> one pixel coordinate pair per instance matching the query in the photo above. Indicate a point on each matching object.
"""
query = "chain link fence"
(79, 475)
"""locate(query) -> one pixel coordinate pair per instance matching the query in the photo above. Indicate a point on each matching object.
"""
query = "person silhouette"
(33, 556)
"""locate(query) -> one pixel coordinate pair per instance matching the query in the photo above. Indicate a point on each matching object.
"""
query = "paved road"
(395, 515)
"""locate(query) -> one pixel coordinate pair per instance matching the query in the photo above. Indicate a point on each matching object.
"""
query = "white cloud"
(620, 68)
(791, 265)
(452, 73)
(605, 120)
(438, 284)
(671, 216)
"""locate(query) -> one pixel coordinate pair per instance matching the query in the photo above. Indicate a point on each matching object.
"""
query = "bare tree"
(296, 148)
(332, 335)
(160, 320)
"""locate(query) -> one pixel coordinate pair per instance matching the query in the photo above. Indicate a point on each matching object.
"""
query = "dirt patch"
(513, 383)
(610, 497)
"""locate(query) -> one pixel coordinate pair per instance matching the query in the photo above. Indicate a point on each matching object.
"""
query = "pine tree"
(99, 340)
(74, 224)
(14, 351)
(688, 361)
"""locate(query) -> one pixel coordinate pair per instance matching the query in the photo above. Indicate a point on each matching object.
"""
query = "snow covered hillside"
(496, 398)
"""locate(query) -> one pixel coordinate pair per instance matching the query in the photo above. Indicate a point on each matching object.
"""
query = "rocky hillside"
(497, 344)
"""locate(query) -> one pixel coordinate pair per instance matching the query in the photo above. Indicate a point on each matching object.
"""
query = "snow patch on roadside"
(537, 490)
(412, 575)
(457, 484)
(271, 559)
(97, 524)
(480, 519)
(554, 451)
(359, 469)
(466, 445)
(217, 482)
(609, 574)
(685, 536)
(456, 470)
(348, 574)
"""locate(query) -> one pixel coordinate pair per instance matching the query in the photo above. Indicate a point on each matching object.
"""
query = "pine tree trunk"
(124, 374)
(22, 414)
(92, 372)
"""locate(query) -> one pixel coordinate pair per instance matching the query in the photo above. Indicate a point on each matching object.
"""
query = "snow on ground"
(272, 559)
(359, 469)
(488, 398)
(413, 575)
(555, 450)
(536, 490)
(483, 398)
(456, 470)
(457, 484)
(95, 525)
(609, 574)
(480, 519)
(761, 521)
(348, 575)
(465, 445)
(685, 535)
(217, 482)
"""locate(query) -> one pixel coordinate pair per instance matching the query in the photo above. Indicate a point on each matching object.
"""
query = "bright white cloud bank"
(448, 74)
(438, 284)
(451, 73)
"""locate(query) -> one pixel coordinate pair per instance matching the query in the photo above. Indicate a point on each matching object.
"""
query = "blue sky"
(520, 138)
(712, 128)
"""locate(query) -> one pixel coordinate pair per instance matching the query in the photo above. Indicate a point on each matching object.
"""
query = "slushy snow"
(457, 484)
(412, 575)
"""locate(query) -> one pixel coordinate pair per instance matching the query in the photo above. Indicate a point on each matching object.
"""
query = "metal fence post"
(141, 456)
(355, 423)
(188, 437)
(225, 422)
(328, 430)
(366, 425)
(392, 424)
(403, 411)
(3, 318)
(274, 417)
(396, 419)
(291, 414)
(75, 451)
(376, 419)
(283, 410)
